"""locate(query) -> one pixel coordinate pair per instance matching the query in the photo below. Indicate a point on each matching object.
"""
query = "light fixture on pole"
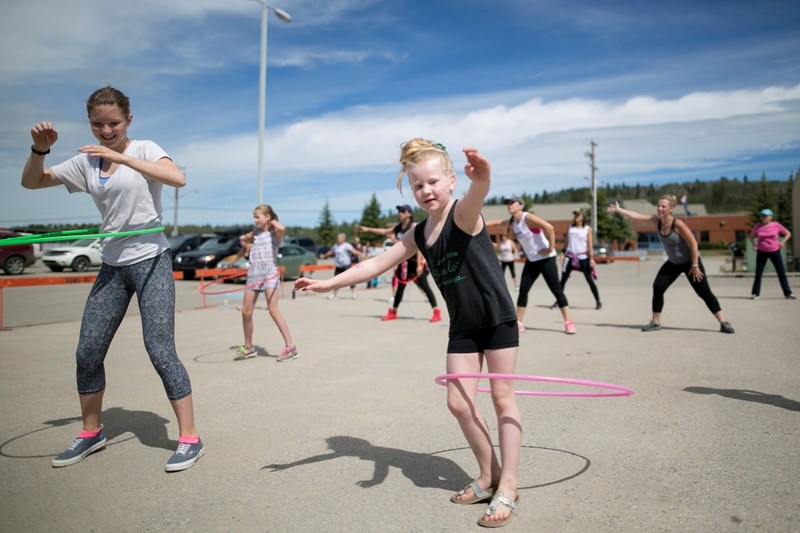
(262, 88)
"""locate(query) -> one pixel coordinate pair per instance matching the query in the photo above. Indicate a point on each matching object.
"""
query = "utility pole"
(590, 155)
(175, 214)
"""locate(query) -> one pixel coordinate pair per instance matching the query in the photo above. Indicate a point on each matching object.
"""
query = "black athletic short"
(505, 335)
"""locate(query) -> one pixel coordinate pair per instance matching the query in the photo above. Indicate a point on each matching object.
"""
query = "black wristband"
(37, 152)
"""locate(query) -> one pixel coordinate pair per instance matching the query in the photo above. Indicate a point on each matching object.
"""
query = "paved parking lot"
(355, 436)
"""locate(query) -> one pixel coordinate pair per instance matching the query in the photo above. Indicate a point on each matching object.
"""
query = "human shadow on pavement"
(149, 428)
(775, 400)
(422, 469)
(663, 328)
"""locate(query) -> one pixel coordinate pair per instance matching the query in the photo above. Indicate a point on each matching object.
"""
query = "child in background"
(263, 276)
(463, 263)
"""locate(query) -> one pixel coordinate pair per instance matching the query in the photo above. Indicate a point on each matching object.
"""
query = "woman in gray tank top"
(683, 257)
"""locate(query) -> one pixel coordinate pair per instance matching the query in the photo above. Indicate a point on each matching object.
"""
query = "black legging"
(669, 272)
(510, 266)
(777, 262)
(587, 273)
(421, 282)
(549, 271)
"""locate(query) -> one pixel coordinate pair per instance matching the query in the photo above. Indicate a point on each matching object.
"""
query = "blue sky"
(676, 90)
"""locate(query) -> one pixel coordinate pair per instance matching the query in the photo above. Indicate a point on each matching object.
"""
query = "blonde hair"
(266, 210)
(417, 150)
(673, 201)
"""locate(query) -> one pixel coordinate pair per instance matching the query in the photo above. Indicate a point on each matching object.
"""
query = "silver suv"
(78, 256)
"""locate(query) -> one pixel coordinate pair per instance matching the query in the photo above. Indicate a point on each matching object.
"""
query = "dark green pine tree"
(763, 200)
(326, 230)
(371, 217)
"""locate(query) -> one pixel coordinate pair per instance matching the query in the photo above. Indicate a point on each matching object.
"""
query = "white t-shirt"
(341, 255)
(127, 201)
(578, 242)
(531, 240)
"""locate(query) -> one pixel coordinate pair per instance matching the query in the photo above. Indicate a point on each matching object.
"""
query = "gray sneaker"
(185, 456)
(79, 449)
(725, 327)
(652, 326)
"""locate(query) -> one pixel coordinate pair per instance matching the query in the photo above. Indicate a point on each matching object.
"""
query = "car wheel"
(55, 268)
(80, 264)
(188, 274)
(14, 265)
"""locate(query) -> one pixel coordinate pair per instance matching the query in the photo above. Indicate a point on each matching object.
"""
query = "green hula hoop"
(71, 235)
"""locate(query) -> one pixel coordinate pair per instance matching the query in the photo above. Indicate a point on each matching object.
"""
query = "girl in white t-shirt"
(124, 178)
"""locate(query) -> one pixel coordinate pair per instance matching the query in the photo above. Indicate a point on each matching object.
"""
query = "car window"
(218, 244)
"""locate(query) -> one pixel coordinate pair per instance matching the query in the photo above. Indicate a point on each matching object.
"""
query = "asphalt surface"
(355, 435)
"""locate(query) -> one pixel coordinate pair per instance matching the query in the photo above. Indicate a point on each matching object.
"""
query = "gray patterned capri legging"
(151, 280)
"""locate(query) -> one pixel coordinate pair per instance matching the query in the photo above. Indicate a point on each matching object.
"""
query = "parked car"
(38, 247)
(207, 255)
(184, 243)
(377, 250)
(305, 242)
(79, 256)
(290, 256)
(603, 253)
(16, 257)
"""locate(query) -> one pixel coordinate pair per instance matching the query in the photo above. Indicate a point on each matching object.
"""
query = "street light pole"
(590, 155)
(262, 88)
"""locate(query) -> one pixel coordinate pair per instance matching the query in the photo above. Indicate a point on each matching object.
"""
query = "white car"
(79, 256)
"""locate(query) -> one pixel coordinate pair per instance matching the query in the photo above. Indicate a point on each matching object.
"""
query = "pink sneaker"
(288, 353)
(569, 328)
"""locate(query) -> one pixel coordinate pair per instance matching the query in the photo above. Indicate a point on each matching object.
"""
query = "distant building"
(717, 228)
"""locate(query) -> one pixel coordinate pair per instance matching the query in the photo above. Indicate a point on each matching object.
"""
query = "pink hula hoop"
(615, 390)
(202, 288)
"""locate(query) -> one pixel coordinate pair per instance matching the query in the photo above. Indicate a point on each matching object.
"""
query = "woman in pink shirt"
(767, 241)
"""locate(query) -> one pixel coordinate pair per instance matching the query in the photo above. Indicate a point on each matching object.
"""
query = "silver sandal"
(498, 499)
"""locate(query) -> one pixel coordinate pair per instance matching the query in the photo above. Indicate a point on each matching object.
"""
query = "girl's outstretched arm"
(360, 272)
(468, 210)
(627, 213)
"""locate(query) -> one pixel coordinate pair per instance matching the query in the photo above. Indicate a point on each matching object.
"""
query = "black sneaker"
(791, 297)
(599, 306)
(79, 449)
(652, 326)
(725, 327)
(185, 456)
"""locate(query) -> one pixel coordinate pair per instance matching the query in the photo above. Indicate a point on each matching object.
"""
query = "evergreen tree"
(371, 217)
(763, 200)
(614, 229)
(326, 231)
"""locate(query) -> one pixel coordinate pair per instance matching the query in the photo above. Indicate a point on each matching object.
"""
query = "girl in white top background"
(579, 254)
(508, 254)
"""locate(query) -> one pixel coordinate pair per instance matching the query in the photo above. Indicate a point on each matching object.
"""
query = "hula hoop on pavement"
(71, 235)
(615, 390)
(203, 291)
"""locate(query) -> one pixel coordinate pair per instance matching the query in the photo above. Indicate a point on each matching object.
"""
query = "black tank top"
(469, 276)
